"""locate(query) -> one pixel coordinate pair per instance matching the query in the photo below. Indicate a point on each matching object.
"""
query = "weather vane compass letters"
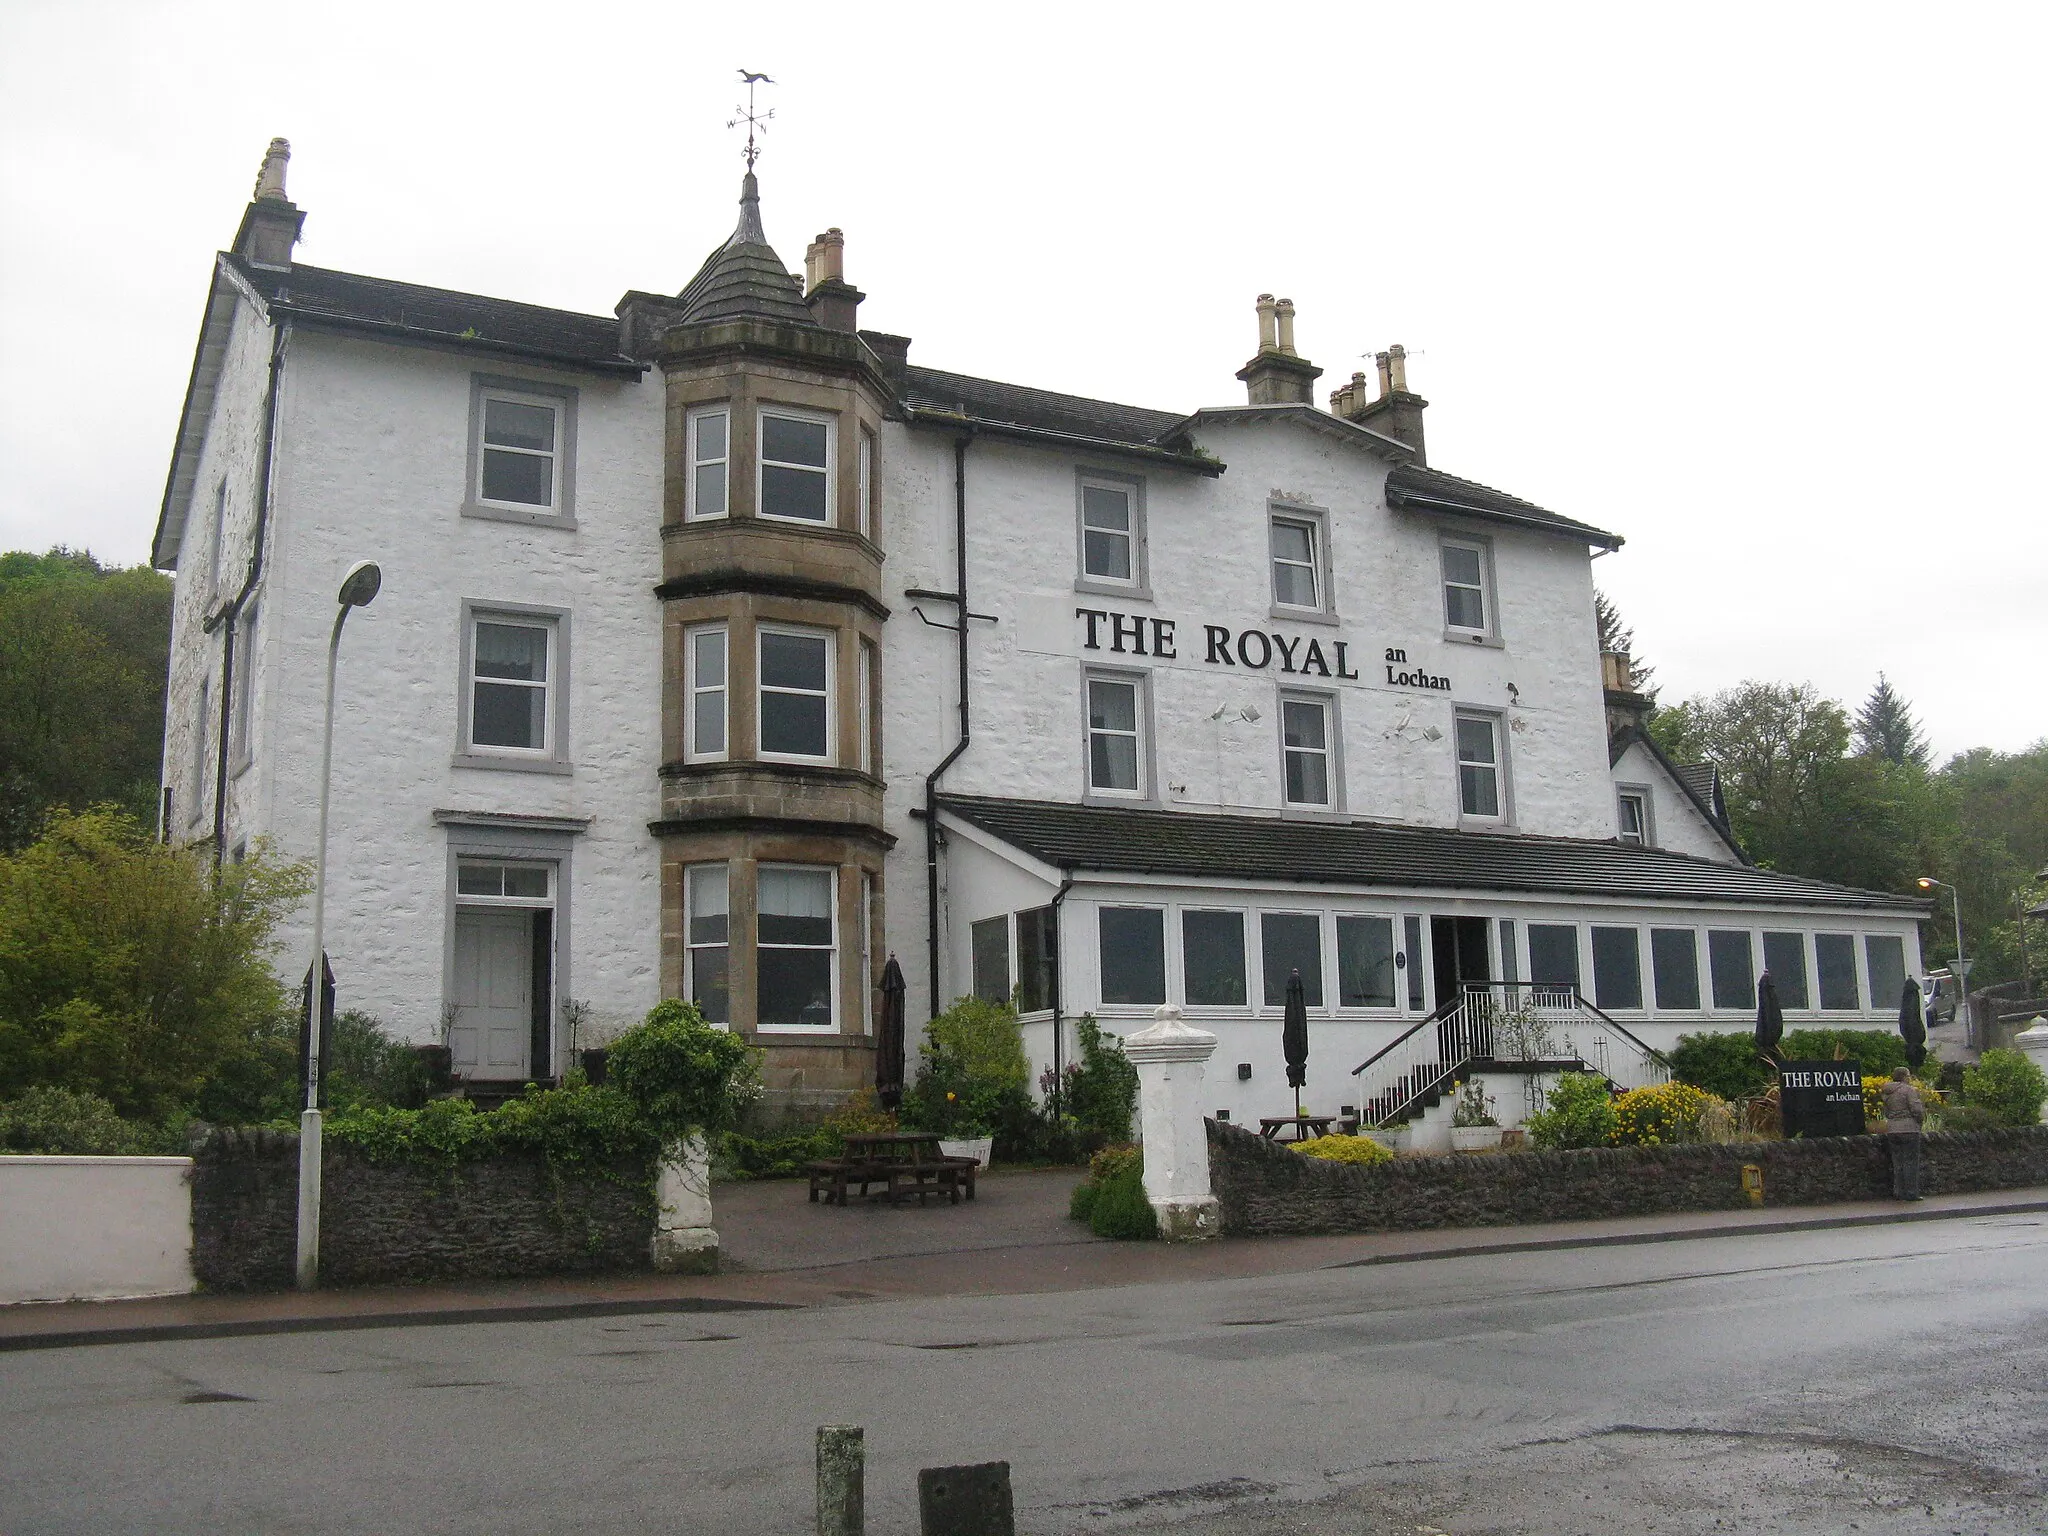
(755, 121)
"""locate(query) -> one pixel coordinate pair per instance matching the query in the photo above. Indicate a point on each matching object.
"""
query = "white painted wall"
(94, 1228)
(1675, 822)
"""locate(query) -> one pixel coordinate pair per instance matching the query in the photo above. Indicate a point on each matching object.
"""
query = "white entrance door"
(493, 992)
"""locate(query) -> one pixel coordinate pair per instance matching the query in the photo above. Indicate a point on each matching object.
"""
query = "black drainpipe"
(931, 780)
(1058, 992)
(231, 619)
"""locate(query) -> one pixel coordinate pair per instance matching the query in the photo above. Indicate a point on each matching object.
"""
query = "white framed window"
(1297, 551)
(869, 981)
(989, 940)
(864, 692)
(1468, 606)
(707, 929)
(706, 680)
(1212, 958)
(241, 724)
(1111, 528)
(795, 954)
(1367, 976)
(511, 672)
(795, 712)
(1482, 786)
(710, 441)
(1290, 942)
(1308, 752)
(1116, 735)
(519, 457)
(865, 502)
(1632, 811)
(487, 881)
(1132, 954)
(795, 466)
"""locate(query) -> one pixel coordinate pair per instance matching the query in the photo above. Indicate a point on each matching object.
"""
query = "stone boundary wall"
(1268, 1190)
(381, 1223)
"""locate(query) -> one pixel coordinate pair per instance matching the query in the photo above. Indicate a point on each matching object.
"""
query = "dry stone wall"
(382, 1223)
(1269, 1190)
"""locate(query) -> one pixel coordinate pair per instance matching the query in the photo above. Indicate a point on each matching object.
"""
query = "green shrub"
(1578, 1112)
(684, 1076)
(1876, 1051)
(982, 1041)
(972, 1078)
(58, 1121)
(786, 1156)
(571, 1127)
(366, 1067)
(1101, 1090)
(1726, 1065)
(1661, 1115)
(1119, 1209)
(2007, 1087)
(1344, 1149)
(1081, 1204)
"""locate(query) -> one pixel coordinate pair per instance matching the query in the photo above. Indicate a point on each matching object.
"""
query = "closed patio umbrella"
(1770, 1017)
(1911, 1025)
(889, 1038)
(1294, 1037)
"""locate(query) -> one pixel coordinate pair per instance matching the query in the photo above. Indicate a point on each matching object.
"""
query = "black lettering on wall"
(1219, 645)
(1094, 616)
(1287, 649)
(1343, 670)
(1314, 659)
(1244, 649)
(1162, 639)
(1126, 625)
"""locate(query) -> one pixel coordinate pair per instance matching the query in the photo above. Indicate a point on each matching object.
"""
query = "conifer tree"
(1617, 635)
(1885, 728)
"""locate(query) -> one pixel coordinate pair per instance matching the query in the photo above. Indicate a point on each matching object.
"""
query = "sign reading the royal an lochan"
(1821, 1098)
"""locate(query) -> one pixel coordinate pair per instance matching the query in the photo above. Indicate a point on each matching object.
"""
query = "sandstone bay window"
(513, 705)
(709, 438)
(1307, 751)
(1133, 954)
(864, 506)
(1675, 967)
(707, 908)
(864, 680)
(1835, 958)
(1617, 968)
(795, 693)
(1481, 791)
(1290, 942)
(1116, 756)
(704, 661)
(794, 948)
(1212, 958)
(1466, 600)
(1785, 959)
(1365, 962)
(795, 455)
(1731, 963)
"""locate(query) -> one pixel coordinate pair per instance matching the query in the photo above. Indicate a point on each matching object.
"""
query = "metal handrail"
(1435, 1015)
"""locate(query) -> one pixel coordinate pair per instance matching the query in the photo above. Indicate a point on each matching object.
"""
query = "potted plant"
(1395, 1138)
(1473, 1125)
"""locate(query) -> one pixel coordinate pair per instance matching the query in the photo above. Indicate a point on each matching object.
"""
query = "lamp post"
(358, 588)
(1962, 964)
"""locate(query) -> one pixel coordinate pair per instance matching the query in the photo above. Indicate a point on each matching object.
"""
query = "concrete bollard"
(1169, 1055)
(684, 1241)
(842, 1480)
(966, 1501)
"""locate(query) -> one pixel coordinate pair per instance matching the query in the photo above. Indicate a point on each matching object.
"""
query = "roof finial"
(754, 120)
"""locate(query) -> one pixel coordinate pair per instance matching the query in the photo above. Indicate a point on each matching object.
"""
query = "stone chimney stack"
(1278, 375)
(1626, 708)
(834, 302)
(1397, 413)
(271, 225)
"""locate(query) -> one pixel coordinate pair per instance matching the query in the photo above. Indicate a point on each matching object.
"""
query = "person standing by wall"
(1903, 1113)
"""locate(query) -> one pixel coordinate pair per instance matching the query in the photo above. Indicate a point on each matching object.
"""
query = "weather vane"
(754, 120)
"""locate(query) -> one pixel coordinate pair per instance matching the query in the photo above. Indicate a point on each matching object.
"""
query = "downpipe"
(931, 780)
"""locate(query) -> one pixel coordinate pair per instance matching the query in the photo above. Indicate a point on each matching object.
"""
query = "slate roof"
(1434, 491)
(1698, 782)
(1704, 780)
(744, 276)
(349, 301)
(1040, 409)
(1260, 848)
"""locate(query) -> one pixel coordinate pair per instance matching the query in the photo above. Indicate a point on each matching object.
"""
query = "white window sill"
(1304, 615)
(1098, 586)
(532, 517)
(1466, 637)
(510, 764)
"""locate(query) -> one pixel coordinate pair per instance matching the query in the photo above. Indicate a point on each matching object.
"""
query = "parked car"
(1938, 993)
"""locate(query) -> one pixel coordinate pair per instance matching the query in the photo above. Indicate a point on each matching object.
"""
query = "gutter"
(230, 617)
(922, 416)
(1583, 532)
(423, 335)
(931, 780)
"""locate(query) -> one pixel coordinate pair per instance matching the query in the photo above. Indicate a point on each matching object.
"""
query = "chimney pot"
(1269, 331)
(271, 223)
(1385, 365)
(832, 257)
(1397, 368)
(1284, 311)
(270, 178)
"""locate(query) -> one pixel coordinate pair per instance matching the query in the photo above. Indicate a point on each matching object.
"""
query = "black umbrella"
(1911, 1025)
(1770, 1017)
(1294, 1037)
(889, 1038)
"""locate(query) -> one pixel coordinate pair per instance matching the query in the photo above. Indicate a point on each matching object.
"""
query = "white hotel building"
(666, 694)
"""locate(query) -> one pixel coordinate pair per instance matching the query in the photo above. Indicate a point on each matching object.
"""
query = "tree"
(132, 970)
(84, 650)
(1885, 728)
(1616, 635)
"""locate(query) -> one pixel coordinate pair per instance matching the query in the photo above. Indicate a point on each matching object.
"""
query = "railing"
(1516, 1022)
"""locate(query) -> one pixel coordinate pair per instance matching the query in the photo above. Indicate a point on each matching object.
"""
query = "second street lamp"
(1962, 963)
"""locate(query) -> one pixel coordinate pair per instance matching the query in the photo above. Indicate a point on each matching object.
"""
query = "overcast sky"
(1759, 287)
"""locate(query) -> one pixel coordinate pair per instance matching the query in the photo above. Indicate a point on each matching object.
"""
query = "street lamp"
(1962, 964)
(358, 588)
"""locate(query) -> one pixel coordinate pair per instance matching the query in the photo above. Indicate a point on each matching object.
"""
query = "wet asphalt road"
(1889, 1379)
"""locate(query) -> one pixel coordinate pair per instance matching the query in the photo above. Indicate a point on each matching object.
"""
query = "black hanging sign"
(312, 1089)
(1821, 1098)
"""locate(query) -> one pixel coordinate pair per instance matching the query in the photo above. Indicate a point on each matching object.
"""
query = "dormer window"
(1633, 806)
(796, 467)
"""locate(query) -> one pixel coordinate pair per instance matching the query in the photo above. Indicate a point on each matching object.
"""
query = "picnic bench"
(1305, 1126)
(901, 1162)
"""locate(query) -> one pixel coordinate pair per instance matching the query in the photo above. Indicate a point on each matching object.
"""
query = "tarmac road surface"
(1884, 1379)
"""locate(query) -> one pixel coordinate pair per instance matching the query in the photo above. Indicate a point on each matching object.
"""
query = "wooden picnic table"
(1305, 1126)
(904, 1162)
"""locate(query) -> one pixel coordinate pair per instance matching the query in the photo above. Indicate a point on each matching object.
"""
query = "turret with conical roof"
(744, 276)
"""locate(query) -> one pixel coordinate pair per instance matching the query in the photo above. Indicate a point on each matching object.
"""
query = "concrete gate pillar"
(1169, 1054)
(2033, 1042)
(684, 1240)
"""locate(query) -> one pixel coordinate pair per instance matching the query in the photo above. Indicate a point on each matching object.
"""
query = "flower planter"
(1474, 1138)
(979, 1148)
(1395, 1140)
